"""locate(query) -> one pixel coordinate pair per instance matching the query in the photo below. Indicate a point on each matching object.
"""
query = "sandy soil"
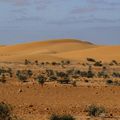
(35, 101)
(31, 101)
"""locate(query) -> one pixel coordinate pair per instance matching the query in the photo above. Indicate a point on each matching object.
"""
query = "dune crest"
(59, 49)
(43, 49)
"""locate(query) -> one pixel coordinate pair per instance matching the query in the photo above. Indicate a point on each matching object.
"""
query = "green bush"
(30, 73)
(116, 74)
(90, 74)
(91, 60)
(109, 82)
(95, 111)
(98, 63)
(5, 112)
(41, 79)
(21, 76)
(61, 117)
(3, 78)
(103, 74)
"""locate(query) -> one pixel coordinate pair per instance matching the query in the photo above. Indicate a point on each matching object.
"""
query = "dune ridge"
(59, 49)
(42, 50)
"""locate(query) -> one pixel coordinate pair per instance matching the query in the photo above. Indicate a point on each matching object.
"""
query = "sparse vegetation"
(36, 62)
(98, 63)
(103, 73)
(6, 112)
(41, 79)
(116, 74)
(26, 62)
(61, 117)
(91, 60)
(95, 111)
(110, 82)
(22, 76)
(65, 80)
(3, 78)
(30, 73)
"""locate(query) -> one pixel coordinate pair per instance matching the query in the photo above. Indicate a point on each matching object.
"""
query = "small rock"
(20, 90)
(46, 109)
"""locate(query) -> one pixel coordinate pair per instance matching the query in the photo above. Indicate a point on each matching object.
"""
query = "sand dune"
(105, 53)
(42, 50)
(58, 49)
(58, 45)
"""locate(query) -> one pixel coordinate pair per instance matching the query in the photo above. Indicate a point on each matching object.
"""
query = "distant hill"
(43, 50)
(58, 49)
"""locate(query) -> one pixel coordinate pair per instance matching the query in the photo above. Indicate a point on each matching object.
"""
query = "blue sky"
(96, 21)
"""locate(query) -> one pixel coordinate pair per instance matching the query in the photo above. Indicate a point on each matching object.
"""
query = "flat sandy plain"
(31, 101)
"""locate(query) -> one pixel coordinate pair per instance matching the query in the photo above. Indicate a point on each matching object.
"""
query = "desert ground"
(62, 77)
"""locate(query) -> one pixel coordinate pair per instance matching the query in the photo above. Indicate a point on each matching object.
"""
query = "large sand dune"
(59, 49)
(42, 50)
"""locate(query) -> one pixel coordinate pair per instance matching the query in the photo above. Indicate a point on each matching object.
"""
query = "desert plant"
(36, 62)
(61, 74)
(61, 117)
(98, 63)
(117, 83)
(95, 111)
(64, 80)
(42, 63)
(65, 62)
(76, 72)
(116, 74)
(50, 72)
(3, 78)
(109, 82)
(54, 63)
(91, 60)
(30, 73)
(26, 62)
(115, 62)
(52, 78)
(71, 71)
(90, 74)
(41, 79)
(21, 76)
(103, 73)
(5, 111)
(83, 74)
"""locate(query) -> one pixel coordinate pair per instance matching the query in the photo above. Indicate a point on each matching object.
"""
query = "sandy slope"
(52, 50)
(105, 53)
(42, 50)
